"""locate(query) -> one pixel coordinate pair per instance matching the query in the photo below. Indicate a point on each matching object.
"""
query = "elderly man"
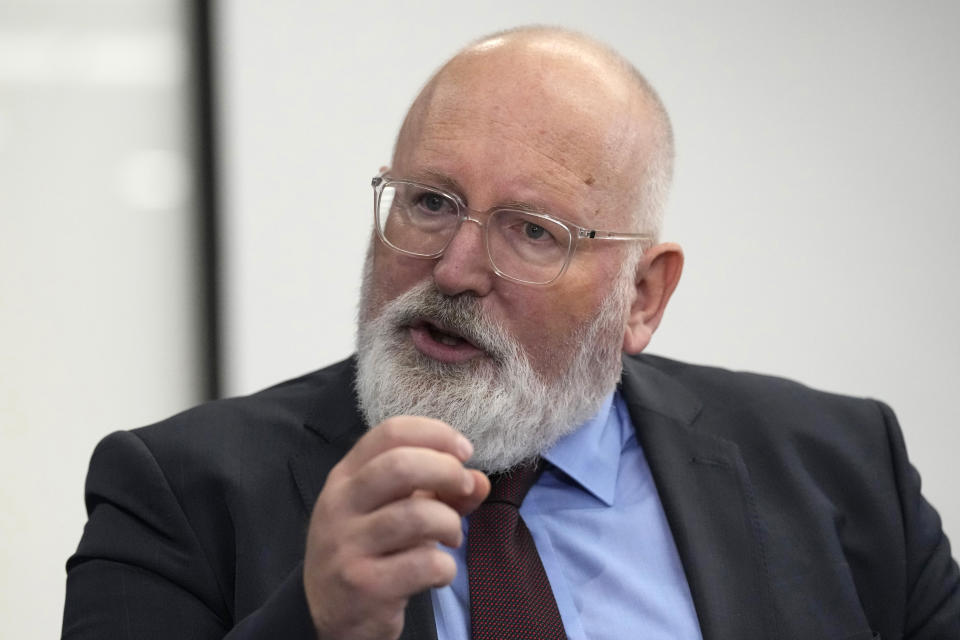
(514, 260)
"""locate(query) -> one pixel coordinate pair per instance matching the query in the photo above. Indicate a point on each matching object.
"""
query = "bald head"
(566, 96)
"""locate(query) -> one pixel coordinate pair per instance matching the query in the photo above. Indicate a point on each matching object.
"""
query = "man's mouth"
(444, 336)
(442, 343)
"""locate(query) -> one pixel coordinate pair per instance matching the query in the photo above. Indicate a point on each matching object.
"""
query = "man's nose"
(464, 266)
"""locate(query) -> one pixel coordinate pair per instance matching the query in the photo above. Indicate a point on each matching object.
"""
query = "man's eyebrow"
(449, 183)
(439, 179)
(526, 206)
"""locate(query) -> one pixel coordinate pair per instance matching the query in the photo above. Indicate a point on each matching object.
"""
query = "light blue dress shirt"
(603, 538)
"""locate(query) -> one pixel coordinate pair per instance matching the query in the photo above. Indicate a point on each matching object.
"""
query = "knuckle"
(394, 461)
(391, 430)
(328, 504)
(404, 522)
(390, 464)
(412, 522)
(440, 567)
(401, 465)
(429, 520)
(391, 522)
(356, 576)
(451, 526)
(324, 523)
(411, 517)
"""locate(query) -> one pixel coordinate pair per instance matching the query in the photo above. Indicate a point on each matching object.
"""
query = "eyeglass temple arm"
(594, 234)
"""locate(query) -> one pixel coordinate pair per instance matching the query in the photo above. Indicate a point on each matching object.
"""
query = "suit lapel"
(337, 424)
(708, 500)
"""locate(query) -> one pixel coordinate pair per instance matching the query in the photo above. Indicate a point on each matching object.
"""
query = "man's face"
(502, 131)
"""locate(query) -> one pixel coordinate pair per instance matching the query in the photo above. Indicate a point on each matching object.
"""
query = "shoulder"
(719, 389)
(753, 408)
(262, 428)
(716, 384)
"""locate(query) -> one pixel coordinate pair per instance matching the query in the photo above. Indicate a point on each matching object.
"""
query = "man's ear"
(657, 276)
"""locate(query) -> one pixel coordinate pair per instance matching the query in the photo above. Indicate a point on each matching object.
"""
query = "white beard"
(498, 402)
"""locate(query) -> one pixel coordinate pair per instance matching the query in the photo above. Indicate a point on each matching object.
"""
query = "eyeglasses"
(523, 246)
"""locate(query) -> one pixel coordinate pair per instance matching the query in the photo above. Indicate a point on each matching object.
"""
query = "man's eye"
(434, 203)
(534, 231)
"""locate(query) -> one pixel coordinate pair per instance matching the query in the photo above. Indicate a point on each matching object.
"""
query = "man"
(514, 259)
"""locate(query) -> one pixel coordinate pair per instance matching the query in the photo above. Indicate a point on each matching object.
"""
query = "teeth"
(445, 338)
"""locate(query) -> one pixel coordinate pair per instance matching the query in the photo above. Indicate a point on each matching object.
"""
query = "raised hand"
(374, 531)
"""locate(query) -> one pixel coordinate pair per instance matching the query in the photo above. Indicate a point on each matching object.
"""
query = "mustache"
(462, 314)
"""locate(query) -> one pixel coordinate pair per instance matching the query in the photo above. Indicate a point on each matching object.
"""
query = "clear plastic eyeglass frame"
(575, 231)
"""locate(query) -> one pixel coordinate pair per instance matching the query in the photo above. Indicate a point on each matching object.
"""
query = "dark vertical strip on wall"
(206, 190)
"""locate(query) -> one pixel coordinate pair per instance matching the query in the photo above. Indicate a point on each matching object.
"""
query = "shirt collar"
(590, 455)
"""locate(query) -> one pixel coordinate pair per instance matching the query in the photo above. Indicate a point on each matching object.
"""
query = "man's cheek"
(394, 275)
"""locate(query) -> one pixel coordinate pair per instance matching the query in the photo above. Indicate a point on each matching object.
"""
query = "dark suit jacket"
(796, 513)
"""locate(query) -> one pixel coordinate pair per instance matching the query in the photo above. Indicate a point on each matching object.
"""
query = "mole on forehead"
(534, 151)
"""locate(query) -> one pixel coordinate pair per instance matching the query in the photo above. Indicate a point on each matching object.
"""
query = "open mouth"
(442, 343)
(442, 335)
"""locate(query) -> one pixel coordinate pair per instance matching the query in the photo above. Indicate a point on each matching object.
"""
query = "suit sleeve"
(933, 583)
(140, 571)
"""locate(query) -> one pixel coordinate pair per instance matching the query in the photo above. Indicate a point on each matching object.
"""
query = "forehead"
(528, 126)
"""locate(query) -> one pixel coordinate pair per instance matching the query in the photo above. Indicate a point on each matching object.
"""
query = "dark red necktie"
(510, 596)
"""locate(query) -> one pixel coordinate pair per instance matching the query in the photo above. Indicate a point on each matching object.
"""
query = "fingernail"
(468, 482)
(464, 448)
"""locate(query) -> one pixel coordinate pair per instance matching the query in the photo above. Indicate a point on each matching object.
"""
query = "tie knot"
(512, 486)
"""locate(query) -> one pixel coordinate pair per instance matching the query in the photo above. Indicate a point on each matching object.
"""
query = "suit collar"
(332, 415)
(708, 500)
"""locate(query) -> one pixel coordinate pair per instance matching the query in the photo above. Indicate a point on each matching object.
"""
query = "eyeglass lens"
(421, 221)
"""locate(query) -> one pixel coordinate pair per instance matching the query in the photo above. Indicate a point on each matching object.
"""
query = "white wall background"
(817, 191)
(97, 266)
